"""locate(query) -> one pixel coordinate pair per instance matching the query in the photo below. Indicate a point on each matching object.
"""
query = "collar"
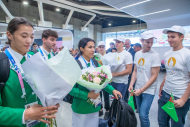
(16, 55)
(45, 51)
(83, 63)
(128, 48)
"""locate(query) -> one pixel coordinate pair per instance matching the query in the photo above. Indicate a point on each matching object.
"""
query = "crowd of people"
(139, 74)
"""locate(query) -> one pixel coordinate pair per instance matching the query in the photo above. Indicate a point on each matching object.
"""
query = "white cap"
(175, 28)
(120, 39)
(101, 43)
(147, 35)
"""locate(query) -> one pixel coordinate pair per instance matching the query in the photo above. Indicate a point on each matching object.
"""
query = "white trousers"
(85, 120)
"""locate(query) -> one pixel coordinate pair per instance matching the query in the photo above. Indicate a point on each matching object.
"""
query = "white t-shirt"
(144, 63)
(126, 57)
(177, 65)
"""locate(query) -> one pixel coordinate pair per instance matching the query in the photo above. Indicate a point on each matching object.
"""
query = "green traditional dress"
(12, 105)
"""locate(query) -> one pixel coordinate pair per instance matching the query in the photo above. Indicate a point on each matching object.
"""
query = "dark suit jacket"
(132, 51)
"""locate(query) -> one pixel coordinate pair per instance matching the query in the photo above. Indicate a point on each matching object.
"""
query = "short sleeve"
(156, 61)
(187, 62)
(129, 59)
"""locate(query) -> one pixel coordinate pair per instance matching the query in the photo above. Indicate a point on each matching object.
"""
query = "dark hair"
(47, 33)
(111, 43)
(34, 44)
(137, 44)
(83, 42)
(180, 34)
(113, 49)
(14, 25)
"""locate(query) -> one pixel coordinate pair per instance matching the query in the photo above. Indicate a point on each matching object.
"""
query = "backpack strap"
(79, 63)
(95, 62)
(4, 69)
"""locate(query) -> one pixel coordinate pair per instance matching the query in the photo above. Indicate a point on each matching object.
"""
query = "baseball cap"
(120, 39)
(147, 35)
(101, 43)
(177, 29)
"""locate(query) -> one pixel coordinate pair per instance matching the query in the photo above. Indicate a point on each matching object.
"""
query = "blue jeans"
(121, 87)
(144, 102)
(164, 118)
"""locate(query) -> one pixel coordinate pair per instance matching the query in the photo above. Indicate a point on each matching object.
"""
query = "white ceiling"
(178, 9)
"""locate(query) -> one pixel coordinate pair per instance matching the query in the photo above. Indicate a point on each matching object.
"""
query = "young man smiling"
(147, 65)
(177, 63)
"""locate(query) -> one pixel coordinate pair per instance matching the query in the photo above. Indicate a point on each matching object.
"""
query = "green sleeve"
(10, 116)
(76, 92)
(109, 89)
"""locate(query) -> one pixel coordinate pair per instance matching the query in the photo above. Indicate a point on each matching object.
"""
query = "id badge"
(31, 123)
(98, 102)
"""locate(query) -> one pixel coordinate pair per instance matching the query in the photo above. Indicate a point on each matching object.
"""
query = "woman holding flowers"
(19, 106)
(86, 114)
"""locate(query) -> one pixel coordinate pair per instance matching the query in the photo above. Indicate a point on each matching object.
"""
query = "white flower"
(97, 80)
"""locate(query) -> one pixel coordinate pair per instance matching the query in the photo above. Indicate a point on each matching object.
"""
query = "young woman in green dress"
(84, 113)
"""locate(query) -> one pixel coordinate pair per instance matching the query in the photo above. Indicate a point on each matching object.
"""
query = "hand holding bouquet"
(95, 79)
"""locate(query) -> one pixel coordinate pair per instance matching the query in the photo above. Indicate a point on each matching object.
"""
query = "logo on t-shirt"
(171, 62)
(141, 62)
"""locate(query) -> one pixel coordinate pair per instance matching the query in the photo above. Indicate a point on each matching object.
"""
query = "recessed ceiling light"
(25, 2)
(109, 24)
(134, 21)
(135, 4)
(153, 13)
(57, 9)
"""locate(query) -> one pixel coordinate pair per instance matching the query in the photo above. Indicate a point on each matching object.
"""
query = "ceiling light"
(57, 9)
(135, 4)
(153, 13)
(134, 21)
(109, 24)
(25, 2)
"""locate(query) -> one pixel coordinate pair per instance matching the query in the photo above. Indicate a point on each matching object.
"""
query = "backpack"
(4, 69)
(121, 114)
(69, 98)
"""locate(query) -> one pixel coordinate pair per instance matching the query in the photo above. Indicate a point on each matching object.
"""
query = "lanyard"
(43, 54)
(18, 72)
(86, 62)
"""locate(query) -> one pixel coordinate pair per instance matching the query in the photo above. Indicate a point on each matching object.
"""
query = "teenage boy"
(147, 65)
(120, 76)
(49, 38)
(177, 63)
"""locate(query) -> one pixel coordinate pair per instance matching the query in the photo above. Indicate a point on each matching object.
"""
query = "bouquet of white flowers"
(53, 79)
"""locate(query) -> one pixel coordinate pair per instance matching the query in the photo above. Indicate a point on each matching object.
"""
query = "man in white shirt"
(120, 76)
(49, 38)
(147, 65)
(177, 63)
